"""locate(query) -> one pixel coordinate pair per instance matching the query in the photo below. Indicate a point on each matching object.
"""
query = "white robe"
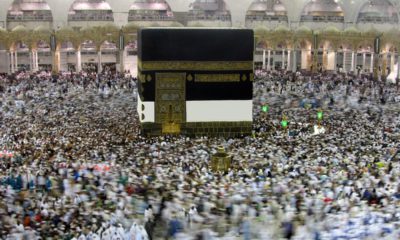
(133, 231)
(106, 235)
(142, 234)
(82, 237)
(93, 236)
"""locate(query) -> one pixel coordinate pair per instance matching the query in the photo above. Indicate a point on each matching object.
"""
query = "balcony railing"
(377, 19)
(338, 19)
(208, 17)
(206, 6)
(266, 18)
(149, 17)
(92, 16)
(25, 18)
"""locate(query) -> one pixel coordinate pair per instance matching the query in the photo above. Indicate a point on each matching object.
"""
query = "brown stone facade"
(196, 129)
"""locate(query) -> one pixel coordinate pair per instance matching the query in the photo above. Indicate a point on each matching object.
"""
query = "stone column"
(122, 60)
(99, 68)
(269, 60)
(371, 68)
(31, 60)
(78, 66)
(315, 60)
(56, 61)
(377, 64)
(12, 61)
(273, 60)
(352, 62)
(384, 64)
(283, 59)
(33, 66)
(288, 60)
(355, 62)
(344, 61)
(263, 60)
(364, 61)
(8, 61)
(16, 61)
(294, 62)
(324, 59)
(334, 60)
(392, 61)
(398, 66)
(36, 60)
(306, 58)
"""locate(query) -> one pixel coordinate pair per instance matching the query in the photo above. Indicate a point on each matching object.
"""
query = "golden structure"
(221, 161)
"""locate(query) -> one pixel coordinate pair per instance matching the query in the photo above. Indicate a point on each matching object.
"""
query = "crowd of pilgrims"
(73, 164)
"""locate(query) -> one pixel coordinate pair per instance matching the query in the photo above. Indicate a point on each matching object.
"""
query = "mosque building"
(97, 34)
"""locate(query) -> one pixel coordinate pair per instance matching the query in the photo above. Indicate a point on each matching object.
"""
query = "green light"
(320, 115)
(265, 108)
(380, 164)
(284, 123)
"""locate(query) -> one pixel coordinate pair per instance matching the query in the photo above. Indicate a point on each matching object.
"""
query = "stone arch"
(68, 38)
(261, 35)
(19, 37)
(40, 38)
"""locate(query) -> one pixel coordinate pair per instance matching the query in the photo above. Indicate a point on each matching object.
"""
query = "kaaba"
(195, 82)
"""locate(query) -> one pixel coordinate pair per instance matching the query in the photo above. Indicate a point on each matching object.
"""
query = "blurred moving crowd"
(76, 166)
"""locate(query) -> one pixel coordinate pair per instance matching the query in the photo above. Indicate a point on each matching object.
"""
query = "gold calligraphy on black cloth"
(195, 65)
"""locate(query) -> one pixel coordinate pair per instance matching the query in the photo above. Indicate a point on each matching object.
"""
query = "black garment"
(149, 227)
(288, 230)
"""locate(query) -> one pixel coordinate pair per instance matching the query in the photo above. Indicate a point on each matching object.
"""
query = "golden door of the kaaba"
(170, 104)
